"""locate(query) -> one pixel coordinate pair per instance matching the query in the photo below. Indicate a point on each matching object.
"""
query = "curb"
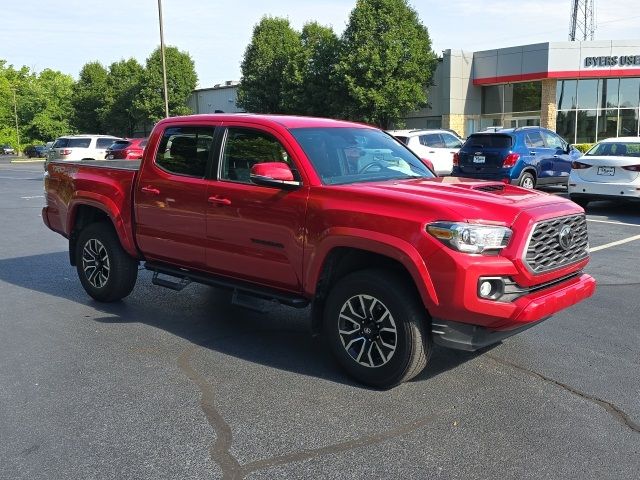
(37, 160)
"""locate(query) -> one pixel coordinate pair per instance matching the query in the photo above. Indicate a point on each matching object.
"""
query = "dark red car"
(128, 149)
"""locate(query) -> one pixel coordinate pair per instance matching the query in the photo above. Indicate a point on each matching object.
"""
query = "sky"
(66, 34)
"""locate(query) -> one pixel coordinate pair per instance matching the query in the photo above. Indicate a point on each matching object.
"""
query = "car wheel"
(582, 201)
(527, 180)
(106, 271)
(374, 323)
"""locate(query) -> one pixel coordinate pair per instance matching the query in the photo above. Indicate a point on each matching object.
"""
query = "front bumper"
(528, 310)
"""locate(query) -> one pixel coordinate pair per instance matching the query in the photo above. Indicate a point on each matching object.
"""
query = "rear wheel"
(375, 323)
(527, 180)
(106, 271)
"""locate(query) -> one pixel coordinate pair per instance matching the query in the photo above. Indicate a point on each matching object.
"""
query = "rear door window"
(79, 143)
(432, 140)
(185, 150)
(533, 140)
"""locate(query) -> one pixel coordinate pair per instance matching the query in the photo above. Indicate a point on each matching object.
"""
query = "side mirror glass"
(274, 174)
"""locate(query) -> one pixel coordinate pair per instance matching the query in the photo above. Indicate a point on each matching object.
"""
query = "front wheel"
(106, 271)
(375, 323)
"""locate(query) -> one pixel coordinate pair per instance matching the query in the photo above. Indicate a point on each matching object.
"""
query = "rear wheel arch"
(526, 172)
(82, 217)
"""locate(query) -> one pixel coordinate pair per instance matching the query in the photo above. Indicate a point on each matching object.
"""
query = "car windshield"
(351, 155)
(617, 149)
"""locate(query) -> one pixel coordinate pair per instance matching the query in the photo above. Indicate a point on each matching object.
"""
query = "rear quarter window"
(489, 141)
(60, 143)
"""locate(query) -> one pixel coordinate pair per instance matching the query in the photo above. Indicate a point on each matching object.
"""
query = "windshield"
(350, 155)
(617, 149)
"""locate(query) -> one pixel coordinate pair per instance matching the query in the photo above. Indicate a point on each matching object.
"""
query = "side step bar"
(241, 289)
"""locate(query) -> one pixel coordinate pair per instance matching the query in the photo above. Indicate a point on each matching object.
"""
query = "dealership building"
(585, 91)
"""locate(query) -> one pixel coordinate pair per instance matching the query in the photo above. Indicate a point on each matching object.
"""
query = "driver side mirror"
(274, 174)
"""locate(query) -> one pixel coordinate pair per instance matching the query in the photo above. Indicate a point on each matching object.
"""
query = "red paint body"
(220, 227)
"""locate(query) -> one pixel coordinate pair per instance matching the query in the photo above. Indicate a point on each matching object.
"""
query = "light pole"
(15, 113)
(164, 62)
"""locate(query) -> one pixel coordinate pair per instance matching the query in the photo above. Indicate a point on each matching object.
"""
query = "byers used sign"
(612, 61)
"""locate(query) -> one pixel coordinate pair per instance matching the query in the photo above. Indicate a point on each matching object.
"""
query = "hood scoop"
(490, 187)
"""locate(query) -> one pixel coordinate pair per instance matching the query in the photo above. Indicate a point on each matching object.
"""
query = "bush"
(583, 147)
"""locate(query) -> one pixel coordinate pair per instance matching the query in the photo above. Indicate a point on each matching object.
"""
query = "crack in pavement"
(219, 451)
(609, 407)
(340, 447)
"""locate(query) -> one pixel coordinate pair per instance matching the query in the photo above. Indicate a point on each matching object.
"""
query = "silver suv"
(74, 148)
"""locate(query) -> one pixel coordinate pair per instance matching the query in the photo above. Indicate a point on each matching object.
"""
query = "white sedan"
(609, 170)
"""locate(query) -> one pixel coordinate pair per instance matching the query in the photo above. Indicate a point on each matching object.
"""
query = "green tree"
(91, 98)
(268, 77)
(385, 63)
(125, 82)
(313, 89)
(50, 94)
(181, 81)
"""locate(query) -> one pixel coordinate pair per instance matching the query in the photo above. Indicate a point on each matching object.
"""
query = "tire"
(380, 291)
(117, 272)
(582, 201)
(527, 180)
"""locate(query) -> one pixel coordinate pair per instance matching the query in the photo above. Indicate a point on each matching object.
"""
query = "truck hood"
(466, 199)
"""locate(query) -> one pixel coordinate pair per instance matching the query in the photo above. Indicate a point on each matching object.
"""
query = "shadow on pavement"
(279, 338)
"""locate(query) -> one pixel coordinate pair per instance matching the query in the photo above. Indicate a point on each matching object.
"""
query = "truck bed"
(117, 164)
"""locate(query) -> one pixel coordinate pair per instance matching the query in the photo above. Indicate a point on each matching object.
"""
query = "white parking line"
(613, 244)
(613, 223)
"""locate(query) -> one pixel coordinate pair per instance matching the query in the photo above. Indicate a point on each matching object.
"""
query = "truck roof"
(287, 121)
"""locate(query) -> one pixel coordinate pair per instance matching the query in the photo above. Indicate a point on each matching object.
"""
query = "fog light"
(485, 289)
(491, 288)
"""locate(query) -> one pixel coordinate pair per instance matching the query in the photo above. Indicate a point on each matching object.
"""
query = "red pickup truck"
(329, 213)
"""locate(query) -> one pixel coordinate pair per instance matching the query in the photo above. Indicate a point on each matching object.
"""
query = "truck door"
(254, 233)
(171, 197)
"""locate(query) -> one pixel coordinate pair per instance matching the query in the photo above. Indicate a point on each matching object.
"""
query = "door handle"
(532, 153)
(556, 156)
(219, 201)
(151, 190)
(432, 151)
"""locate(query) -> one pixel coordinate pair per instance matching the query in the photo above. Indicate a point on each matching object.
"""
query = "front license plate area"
(478, 159)
(610, 171)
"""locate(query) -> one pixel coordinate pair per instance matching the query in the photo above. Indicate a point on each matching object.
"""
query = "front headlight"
(470, 238)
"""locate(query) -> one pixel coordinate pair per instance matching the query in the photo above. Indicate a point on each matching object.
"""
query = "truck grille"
(556, 243)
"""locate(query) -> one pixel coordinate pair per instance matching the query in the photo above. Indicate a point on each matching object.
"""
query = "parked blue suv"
(525, 156)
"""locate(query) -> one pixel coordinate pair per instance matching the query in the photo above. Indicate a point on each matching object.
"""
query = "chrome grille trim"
(544, 253)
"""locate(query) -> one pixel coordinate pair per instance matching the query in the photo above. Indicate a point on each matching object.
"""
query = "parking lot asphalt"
(184, 385)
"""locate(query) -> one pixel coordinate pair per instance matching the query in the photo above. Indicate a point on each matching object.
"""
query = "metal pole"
(15, 113)
(164, 63)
